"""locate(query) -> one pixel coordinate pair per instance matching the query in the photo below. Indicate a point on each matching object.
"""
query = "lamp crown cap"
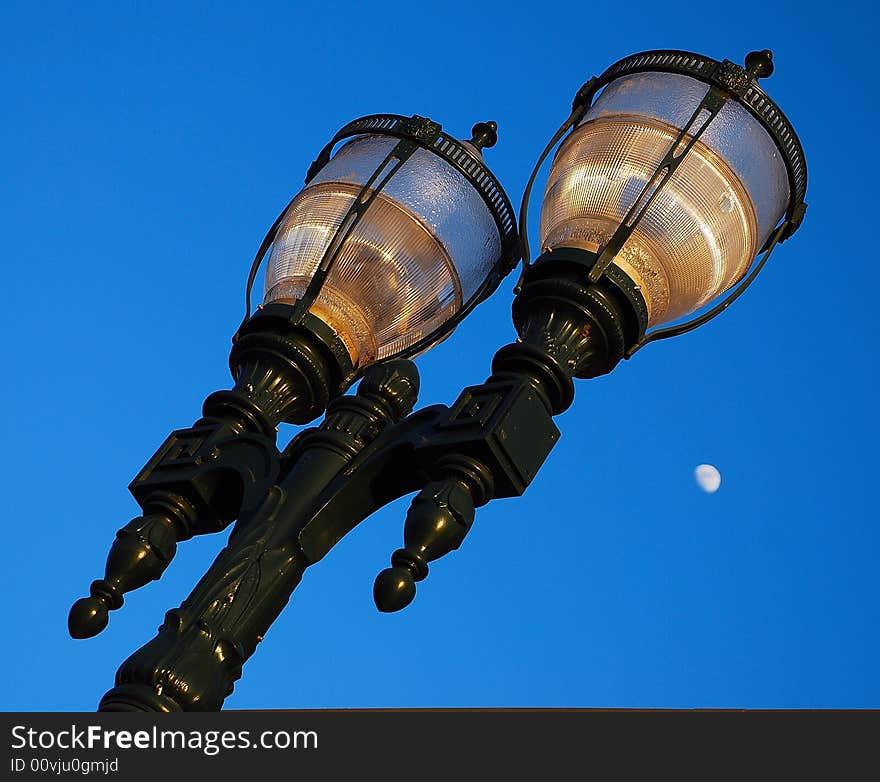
(484, 135)
(760, 63)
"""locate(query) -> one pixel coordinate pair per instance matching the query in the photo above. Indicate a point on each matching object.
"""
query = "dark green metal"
(576, 316)
(197, 656)
(203, 477)
(489, 444)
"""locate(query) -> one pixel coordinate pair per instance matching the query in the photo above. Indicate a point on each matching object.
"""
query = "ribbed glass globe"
(423, 248)
(702, 232)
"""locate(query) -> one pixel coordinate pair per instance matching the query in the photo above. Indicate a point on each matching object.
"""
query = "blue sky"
(148, 146)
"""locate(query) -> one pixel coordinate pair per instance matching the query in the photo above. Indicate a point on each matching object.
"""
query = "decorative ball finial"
(88, 617)
(484, 135)
(760, 64)
(394, 589)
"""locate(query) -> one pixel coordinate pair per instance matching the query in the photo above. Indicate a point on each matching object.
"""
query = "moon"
(708, 478)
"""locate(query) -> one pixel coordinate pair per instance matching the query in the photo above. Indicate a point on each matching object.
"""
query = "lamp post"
(675, 172)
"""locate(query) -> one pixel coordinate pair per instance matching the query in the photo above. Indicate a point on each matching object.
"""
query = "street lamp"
(674, 174)
(394, 239)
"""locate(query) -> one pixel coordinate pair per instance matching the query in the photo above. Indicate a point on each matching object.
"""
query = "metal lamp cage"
(725, 81)
(412, 133)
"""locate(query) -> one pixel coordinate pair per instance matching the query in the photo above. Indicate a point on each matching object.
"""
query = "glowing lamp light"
(678, 171)
(395, 237)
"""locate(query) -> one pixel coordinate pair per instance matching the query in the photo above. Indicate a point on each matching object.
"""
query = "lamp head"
(678, 171)
(395, 238)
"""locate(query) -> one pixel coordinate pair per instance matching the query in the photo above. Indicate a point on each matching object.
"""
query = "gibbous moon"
(708, 478)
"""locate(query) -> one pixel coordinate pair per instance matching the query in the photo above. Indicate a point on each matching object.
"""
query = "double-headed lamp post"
(675, 178)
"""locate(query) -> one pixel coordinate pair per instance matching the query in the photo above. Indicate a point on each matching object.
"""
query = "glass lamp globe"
(714, 213)
(435, 240)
